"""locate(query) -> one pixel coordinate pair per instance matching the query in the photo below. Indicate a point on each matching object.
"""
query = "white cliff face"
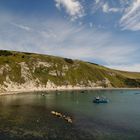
(21, 71)
(53, 73)
(32, 83)
(45, 64)
(25, 71)
(38, 63)
(3, 68)
(65, 68)
(31, 86)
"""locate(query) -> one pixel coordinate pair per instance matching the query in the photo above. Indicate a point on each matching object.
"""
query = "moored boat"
(100, 100)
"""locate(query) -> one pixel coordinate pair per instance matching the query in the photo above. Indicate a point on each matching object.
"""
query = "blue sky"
(106, 32)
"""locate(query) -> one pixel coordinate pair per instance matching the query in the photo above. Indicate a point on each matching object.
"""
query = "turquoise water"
(28, 116)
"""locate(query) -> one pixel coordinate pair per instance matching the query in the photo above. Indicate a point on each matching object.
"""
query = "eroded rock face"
(44, 64)
(26, 71)
(5, 68)
(53, 73)
(32, 82)
(107, 83)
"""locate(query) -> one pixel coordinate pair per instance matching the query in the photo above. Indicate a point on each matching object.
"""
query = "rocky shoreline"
(61, 89)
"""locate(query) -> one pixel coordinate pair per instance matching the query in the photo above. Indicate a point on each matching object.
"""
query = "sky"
(106, 32)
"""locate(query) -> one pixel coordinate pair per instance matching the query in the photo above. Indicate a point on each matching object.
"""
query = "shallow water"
(28, 116)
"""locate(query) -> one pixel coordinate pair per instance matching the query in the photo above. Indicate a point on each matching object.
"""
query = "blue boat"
(100, 100)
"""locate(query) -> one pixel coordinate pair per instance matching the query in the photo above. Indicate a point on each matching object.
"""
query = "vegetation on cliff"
(18, 69)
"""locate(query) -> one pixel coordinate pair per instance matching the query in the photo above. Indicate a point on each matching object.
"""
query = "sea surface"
(28, 116)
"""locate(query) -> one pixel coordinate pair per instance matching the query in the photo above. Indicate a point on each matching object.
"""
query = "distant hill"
(28, 71)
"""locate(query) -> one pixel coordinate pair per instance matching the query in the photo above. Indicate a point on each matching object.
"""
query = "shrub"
(5, 53)
(69, 60)
(132, 82)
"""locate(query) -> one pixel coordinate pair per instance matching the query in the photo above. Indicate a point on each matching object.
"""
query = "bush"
(132, 82)
(5, 53)
(69, 60)
(27, 53)
(93, 63)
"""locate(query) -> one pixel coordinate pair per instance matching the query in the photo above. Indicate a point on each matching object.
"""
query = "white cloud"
(105, 6)
(73, 7)
(90, 24)
(131, 17)
(23, 27)
(124, 3)
(107, 9)
(132, 67)
(97, 1)
(78, 42)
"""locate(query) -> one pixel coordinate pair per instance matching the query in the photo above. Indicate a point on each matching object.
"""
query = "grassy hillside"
(26, 69)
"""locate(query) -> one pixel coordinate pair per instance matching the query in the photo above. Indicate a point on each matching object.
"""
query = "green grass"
(78, 71)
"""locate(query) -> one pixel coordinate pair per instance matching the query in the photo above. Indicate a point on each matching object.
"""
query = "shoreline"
(63, 89)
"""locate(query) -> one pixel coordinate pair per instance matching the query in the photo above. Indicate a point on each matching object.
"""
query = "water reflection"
(28, 115)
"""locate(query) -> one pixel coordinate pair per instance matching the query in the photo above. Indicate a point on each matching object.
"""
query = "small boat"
(100, 100)
(137, 93)
(82, 91)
